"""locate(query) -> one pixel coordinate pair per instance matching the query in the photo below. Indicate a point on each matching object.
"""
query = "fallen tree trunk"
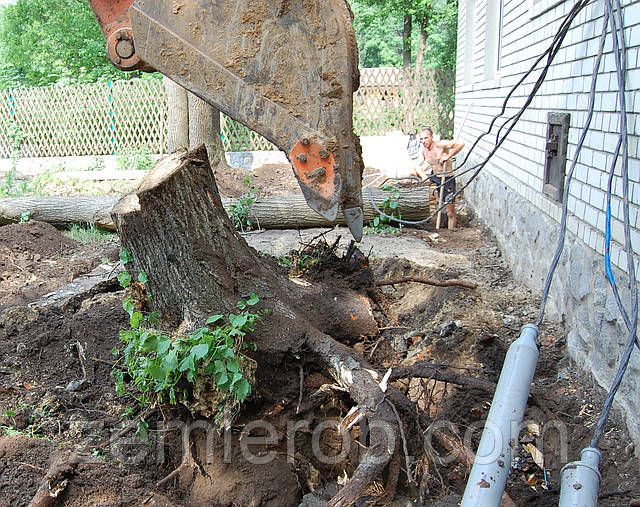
(271, 212)
(60, 210)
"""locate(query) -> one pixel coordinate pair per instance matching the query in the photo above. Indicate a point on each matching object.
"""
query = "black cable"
(551, 52)
(619, 51)
(565, 196)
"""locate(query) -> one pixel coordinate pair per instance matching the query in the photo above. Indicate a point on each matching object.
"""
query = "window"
(493, 29)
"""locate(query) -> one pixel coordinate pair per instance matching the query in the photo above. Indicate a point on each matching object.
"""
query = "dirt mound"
(269, 179)
(34, 236)
(36, 258)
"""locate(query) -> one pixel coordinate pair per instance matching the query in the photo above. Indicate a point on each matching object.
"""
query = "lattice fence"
(391, 99)
(105, 118)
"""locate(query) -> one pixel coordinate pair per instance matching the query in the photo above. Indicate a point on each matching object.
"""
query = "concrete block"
(579, 273)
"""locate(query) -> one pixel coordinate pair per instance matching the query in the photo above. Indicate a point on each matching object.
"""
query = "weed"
(11, 187)
(25, 216)
(382, 224)
(89, 234)
(239, 210)
(97, 164)
(135, 158)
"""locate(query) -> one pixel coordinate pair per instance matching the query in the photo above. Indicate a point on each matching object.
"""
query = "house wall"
(508, 194)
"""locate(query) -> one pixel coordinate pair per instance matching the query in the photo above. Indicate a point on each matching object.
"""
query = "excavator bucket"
(287, 69)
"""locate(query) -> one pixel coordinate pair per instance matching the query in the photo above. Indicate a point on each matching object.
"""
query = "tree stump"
(176, 229)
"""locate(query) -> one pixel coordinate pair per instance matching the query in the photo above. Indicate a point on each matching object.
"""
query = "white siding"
(519, 163)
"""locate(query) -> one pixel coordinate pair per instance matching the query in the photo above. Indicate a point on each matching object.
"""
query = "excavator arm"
(287, 69)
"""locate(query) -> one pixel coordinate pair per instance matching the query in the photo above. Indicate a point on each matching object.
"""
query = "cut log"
(291, 211)
(197, 265)
(271, 212)
(60, 210)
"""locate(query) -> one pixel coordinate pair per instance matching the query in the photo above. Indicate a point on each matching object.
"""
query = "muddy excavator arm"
(287, 69)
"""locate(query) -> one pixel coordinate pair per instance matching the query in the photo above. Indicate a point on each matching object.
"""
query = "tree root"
(350, 372)
(426, 369)
(188, 461)
(428, 281)
(55, 481)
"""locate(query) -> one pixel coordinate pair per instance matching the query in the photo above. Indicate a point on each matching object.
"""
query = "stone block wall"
(580, 294)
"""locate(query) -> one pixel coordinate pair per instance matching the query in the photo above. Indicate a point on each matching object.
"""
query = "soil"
(57, 395)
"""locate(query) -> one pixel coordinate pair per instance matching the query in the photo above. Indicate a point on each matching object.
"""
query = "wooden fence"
(105, 118)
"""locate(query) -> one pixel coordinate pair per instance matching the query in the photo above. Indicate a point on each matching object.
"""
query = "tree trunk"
(177, 116)
(271, 212)
(197, 264)
(204, 128)
(406, 42)
(422, 47)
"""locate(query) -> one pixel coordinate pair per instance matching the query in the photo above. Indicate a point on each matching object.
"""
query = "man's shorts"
(449, 187)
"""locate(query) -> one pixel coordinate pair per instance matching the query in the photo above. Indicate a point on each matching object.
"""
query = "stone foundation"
(580, 294)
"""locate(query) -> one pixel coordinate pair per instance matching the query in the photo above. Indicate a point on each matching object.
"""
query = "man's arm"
(452, 147)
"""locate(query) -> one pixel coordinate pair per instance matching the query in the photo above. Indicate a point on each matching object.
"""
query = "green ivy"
(167, 368)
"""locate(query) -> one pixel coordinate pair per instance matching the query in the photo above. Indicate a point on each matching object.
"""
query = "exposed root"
(428, 281)
(187, 462)
(352, 373)
(426, 369)
(55, 481)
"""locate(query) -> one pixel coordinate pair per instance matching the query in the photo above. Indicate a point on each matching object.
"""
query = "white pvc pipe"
(580, 480)
(500, 435)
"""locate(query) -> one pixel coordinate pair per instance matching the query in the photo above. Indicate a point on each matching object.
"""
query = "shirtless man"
(436, 162)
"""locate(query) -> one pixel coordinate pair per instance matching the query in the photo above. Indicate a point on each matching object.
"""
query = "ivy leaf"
(393, 204)
(241, 389)
(170, 361)
(199, 333)
(148, 342)
(199, 351)
(241, 304)
(187, 363)
(253, 299)
(235, 378)
(124, 278)
(157, 372)
(219, 367)
(233, 365)
(135, 320)
(125, 256)
(142, 276)
(128, 306)
(238, 320)
(213, 319)
(163, 346)
(221, 380)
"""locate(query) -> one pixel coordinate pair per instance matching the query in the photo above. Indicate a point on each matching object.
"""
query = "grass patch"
(89, 234)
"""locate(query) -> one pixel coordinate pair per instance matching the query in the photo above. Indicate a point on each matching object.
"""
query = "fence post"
(112, 120)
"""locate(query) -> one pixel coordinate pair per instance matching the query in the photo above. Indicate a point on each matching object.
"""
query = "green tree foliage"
(379, 36)
(378, 25)
(49, 41)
